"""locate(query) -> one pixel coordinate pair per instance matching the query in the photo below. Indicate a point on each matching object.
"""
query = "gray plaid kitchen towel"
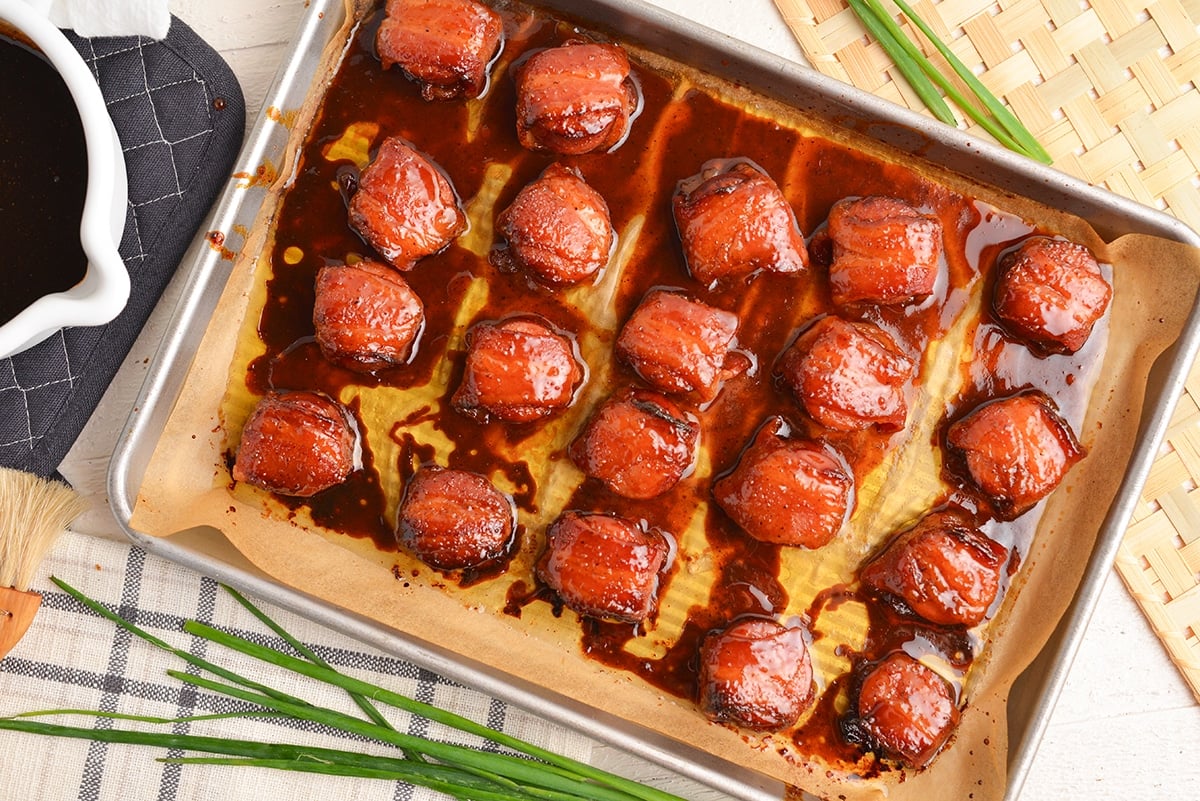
(73, 659)
(180, 116)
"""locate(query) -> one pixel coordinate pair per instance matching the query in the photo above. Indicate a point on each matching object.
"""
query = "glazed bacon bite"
(444, 45)
(366, 316)
(848, 376)
(756, 674)
(454, 519)
(558, 228)
(906, 710)
(518, 370)
(884, 251)
(298, 444)
(787, 492)
(944, 569)
(638, 443)
(678, 345)
(1050, 293)
(733, 220)
(576, 98)
(604, 566)
(1016, 451)
(405, 206)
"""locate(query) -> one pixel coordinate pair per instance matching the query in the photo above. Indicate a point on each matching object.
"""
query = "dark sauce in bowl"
(43, 180)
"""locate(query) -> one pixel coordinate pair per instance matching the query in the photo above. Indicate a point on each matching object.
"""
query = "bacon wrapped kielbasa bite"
(787, 491)
(848, 376)
(678, 345)
(604, 566)
(297, 443)
(756, 674)
(639, 443)
(576, 98)
(404, 206)
(443, 45)
(558, 228)
(733, 221)
(518, 370)
(944, 569)
(366, 316)
(1050, 292)
(885, 251)
(1016, 451)
(454, 519)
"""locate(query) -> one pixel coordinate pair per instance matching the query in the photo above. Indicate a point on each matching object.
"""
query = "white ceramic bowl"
(102, 293)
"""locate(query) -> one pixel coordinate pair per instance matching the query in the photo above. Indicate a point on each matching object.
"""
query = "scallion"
(1002, 124)
(909, 67)
(463, 772)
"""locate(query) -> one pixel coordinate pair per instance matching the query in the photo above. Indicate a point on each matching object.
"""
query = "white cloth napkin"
(149, 18)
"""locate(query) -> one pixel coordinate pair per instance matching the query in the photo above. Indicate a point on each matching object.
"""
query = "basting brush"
(34, 511)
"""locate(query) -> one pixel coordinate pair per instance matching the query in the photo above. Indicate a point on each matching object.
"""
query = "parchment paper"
(187, 486)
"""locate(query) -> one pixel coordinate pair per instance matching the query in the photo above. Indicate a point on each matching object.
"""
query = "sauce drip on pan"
(43, 161)
(679, 129)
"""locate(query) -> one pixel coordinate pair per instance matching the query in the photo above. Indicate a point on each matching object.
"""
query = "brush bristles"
(34, 511)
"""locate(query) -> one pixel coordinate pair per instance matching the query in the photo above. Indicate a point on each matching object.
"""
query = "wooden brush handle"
(17, 609)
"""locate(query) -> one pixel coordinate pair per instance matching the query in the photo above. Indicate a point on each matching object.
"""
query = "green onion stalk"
(527, 773)
(921, 74)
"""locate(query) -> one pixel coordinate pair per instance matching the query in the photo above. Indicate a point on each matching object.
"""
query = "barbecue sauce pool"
(669, 141)
(43, 180)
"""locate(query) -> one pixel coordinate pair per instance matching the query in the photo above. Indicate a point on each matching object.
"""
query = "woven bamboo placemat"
(1159, 558)
(1111, 89)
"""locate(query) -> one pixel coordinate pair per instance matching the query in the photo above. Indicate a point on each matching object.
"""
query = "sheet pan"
(1033, 696)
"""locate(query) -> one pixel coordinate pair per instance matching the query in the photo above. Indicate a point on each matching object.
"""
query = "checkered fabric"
(73, 659)
(180, 116)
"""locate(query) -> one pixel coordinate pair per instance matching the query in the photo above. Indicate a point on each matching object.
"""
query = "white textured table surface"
(1126, 725)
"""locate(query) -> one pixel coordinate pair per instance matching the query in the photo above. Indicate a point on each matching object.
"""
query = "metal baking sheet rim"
(1035, 692)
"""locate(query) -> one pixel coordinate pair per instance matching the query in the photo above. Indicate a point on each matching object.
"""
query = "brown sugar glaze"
(675, 133)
